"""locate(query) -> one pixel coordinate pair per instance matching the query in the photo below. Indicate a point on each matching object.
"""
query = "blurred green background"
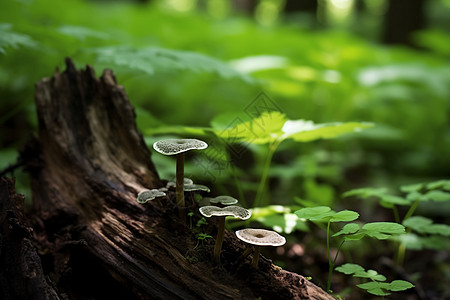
(204, 63)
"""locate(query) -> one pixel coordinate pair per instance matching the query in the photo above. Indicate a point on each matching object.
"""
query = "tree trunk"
(94, 240)
(402, 19)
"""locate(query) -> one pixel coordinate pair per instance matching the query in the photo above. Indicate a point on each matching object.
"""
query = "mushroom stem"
(180, 186)
(246, 253)
(256, 257)
(219, 239)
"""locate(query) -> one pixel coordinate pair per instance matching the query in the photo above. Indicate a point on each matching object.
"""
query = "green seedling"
(350, 232)
(324, 214)
(272, 128)
(424, 234)
(413, 195)
(200, 238)
(376, 286)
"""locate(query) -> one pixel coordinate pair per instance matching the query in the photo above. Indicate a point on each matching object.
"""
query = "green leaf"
(359, 271)
(318, 213)
(440, 184)
(9, 38)
(389, 201)
(262, 130)
(382, 230)
(375, 288)
(412, 188)
(344, 216)
(400, 285)
(156, 60)
(81, 32)
(274, 126)
(426, 226)
(382, 288)
(365, 192)
(437, 195)
(325, 131)
(349, 269)
(348, 229)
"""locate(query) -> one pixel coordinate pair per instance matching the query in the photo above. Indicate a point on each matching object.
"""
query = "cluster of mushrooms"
(219, 207)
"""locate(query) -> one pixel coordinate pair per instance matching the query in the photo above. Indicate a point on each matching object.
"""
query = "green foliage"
(325, 214)
(275, 127)
(378, 230)
(9, 38)
(376, 286)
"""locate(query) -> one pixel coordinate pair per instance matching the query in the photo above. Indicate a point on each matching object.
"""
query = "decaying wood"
(21, 273)
(94, 239)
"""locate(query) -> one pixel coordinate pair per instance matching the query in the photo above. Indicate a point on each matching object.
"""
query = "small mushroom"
(196, 187)
(147, 195)
(186, 181)
(224, 200)
(189, 186)
(220, 201)
(178, 147)
(260, 237)
(222, 213)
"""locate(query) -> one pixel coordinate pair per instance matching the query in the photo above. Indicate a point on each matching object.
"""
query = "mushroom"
(178, 147)
(186, 181)
(196, 187)
(260, 237)
(222, 213)
(224, 200)
(189, 186)
(147, 195)
(219, 201)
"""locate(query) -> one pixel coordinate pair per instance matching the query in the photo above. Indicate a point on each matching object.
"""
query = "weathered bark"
(95, 240)
(21, 273)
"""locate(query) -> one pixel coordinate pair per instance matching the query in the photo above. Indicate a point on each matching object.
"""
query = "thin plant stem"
(330, 264)
(411, 210)
(262, 184)
(396, 215)
(401, 251)
(400, 259)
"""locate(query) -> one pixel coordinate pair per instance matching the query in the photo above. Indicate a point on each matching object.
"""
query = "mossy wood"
(90, 237)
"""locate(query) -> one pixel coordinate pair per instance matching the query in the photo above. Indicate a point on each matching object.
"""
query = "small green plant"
(413, 195)
(376, 286)
(200, 238)
(350, 232)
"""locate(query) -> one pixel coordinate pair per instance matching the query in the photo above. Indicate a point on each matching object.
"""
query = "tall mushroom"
(260, 237)
(178, 147)
(222, 213)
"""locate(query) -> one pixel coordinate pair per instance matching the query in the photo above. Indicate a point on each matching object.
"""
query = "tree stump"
(93, 239)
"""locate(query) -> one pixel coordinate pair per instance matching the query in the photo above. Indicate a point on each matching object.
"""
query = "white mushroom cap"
(196, 187)
(147, 195)
(235, 211)
(175, 146)
(224, 200)
(186, 181)
(260, 237)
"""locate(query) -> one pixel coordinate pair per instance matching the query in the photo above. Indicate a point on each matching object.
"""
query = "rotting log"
(94, 240)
